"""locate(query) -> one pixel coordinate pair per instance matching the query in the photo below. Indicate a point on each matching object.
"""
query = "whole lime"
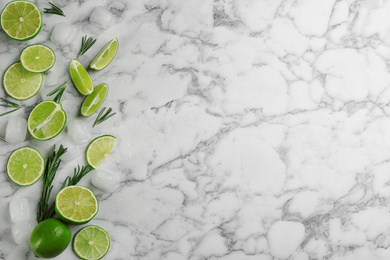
(50, 238)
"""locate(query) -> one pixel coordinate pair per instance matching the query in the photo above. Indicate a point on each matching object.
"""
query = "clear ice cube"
(102, 17)
(21, 231)
(16, 130)
(19, 210)
(104, 180)
(72, 151)
(63, 34)
(78, 132)
(69, 106)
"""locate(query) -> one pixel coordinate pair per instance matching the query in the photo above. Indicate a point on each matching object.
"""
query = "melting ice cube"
(72, 151)
(21, 231)
(16, 130)
(19, 209)
(104, 180)
(78, 132)
(102, 17)
(63, 34)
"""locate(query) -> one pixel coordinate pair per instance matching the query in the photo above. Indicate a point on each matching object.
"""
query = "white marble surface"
(248, 129)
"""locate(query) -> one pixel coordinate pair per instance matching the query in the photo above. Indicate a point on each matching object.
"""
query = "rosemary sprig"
(59, 91)
(86, 43)
(103, 117)
(7, 103)
(54, 10)
(52, 164)
(78, 174)
(3, 140)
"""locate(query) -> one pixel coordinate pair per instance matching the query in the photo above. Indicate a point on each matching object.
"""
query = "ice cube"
(78, 132)
(102, 17)
(104, 180)
(19, 209)
(21, 231)
(72, 152)
(16, 130)
(63, 34)
(69, 106)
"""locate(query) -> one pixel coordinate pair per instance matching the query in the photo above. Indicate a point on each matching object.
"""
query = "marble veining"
(248, 129)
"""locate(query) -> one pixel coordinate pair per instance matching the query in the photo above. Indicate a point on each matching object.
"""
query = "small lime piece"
(25, 166)
(99, 149)
(80, 77)
(37, 58)
(91, 242)
(76, 204)
(93, 101)
(21, 20)
(105, 55)
(46, 120)
(50, 238)
(21, 84)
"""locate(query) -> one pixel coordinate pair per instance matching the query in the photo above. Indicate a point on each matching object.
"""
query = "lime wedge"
(46, 120)
(37, 58)
(25, 166)
(93, 101)
(76, 204)
(105, 55)
(80, 77)
(21, 84)
(21, 20)
(99, 149)
(91, 242)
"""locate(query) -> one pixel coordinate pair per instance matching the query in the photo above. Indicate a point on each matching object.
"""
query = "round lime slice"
(93, 101)
(80, 77)
(46, 120)
(105, 55)
(91, 242)
(76, 204)
(99, 149)
(21, 84)
(37, 58)
(21, 20)
(25, 166)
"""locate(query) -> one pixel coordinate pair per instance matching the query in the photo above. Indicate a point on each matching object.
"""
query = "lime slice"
(37, 58)
(21, 20)
(80, 77)
(76, 204)
(25, 166)
(46, 120)
(21, 84)
(93, 101)
(91, 242)
(105, 55)
(99, 149)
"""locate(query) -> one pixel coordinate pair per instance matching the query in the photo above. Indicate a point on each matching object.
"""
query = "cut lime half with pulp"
(21, 84)
(46, 120)
(105, 55)
(25, 166)
(94, 100)
(37, 58)
(80, 77)
(76, 204)
(21, 20)
(91, 242)
(99, 149)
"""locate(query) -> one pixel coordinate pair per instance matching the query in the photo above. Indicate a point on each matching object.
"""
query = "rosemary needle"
(86, 43)
(54, 10)
(59, 91)
(103, 116)
(7, 103)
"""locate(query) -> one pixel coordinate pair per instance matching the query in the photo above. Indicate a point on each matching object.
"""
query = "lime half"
(25, 166)
(37, 58)
(21, 20)
(93, 101)
(21, 84)
(105, 55)
(46, 120)
(80, 77)
(91, 242)
(99, 149)
(76, 204)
